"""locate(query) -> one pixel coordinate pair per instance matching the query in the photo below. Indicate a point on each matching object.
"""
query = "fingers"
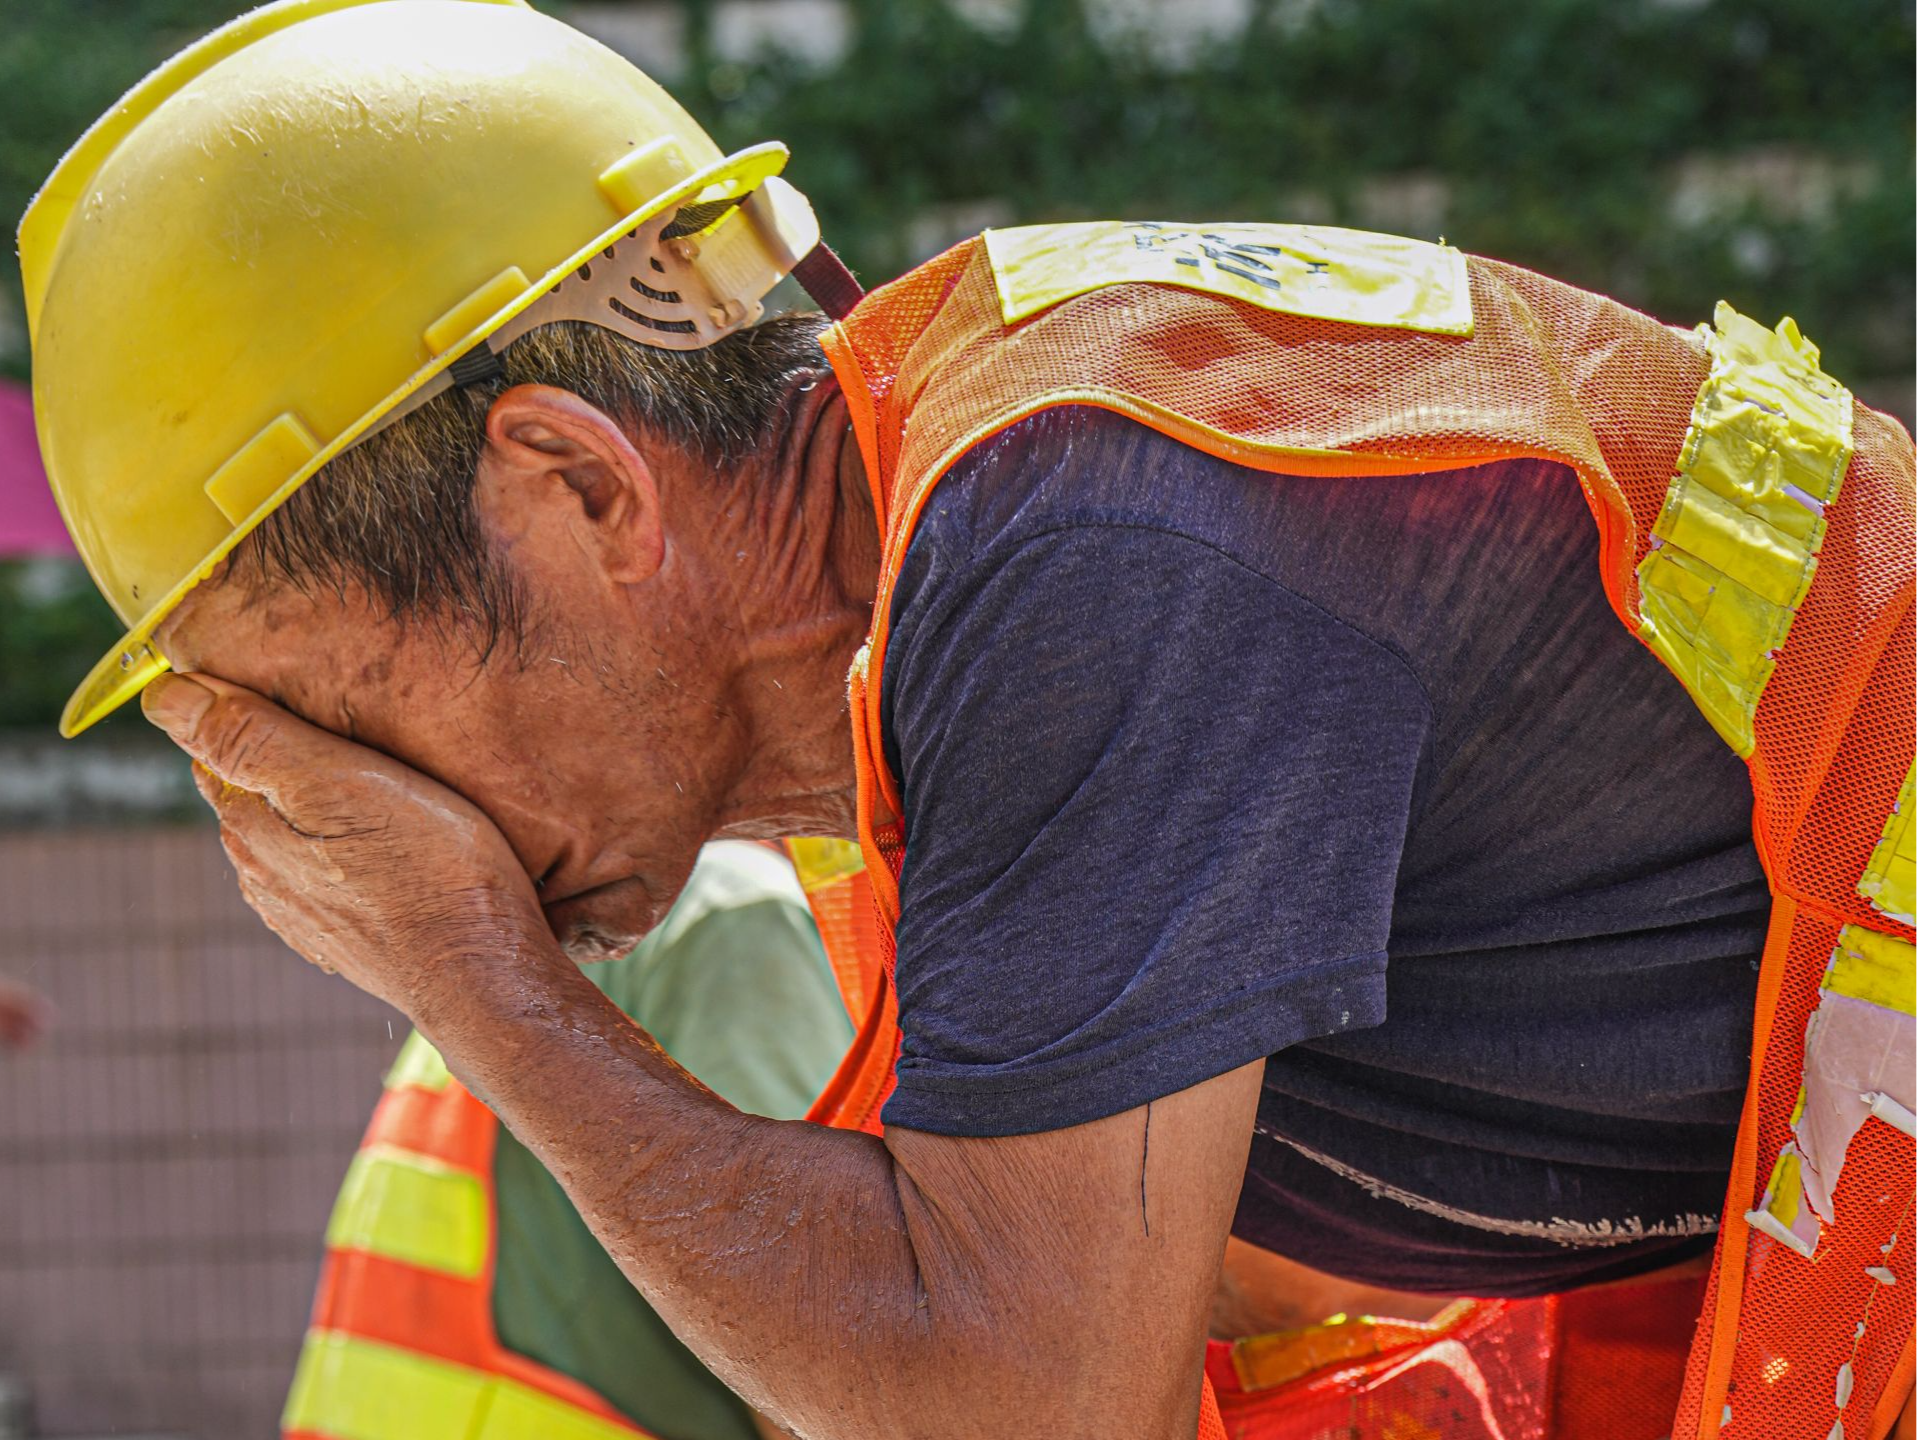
(241, 812)
(262, 887)
(242, 738)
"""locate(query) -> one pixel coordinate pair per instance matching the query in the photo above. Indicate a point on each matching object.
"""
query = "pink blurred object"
(29, 521)
(23, 1015)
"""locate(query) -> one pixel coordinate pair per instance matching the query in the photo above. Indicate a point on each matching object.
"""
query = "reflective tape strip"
(418, 1063)
(1856, 1050)
(1735, 544)
(1858, 1065)
(1312, 270)
(413, 1209)
(1883, 1106)
(520, 1412)
(1781, 1214)
(1872, 967)
(349, 1388)
(819, 863)
(1887, 882)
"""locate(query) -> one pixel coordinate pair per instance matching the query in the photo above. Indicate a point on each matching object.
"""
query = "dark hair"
(394, 516)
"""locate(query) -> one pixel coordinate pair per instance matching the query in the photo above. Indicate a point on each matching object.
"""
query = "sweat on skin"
(447, 834)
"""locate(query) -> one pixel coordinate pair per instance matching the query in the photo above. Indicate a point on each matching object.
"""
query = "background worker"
(735, 986)
(1194, 626)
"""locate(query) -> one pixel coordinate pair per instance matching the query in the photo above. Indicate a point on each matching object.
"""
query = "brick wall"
(169, 1151)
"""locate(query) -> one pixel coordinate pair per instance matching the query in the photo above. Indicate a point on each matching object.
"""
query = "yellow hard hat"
(294, 230)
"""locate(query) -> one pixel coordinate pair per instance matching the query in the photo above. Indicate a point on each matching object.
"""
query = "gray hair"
(395, 517)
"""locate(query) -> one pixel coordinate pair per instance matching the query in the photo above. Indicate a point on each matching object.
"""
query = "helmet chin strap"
(825, 277)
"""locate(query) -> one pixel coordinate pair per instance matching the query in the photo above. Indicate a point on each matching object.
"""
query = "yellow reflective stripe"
(1783, 1190)
(1716, 635)
(1736, 541)
(414, 1209)
(1888, 880)
(1311, 270)
(347, 1388)
(1781, 1214)
(350, 1388)
(418, 1063)
(1872, 967)
(520, 1412)
(819, 863)
(1773, 564)
(1767, 419)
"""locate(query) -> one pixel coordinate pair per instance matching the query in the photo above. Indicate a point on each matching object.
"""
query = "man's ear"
(556, 466)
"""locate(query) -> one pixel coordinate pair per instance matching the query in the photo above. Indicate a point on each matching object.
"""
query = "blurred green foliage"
(1557, 128)
(1668, 152)
(53, 626)
(62, 63)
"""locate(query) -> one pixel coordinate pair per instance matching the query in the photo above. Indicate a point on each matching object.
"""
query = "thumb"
(245, 740)
(176, 704)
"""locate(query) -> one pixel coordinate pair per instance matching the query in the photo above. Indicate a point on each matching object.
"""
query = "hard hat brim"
(136, 661)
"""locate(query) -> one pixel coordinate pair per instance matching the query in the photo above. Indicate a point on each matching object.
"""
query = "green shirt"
(735, 985)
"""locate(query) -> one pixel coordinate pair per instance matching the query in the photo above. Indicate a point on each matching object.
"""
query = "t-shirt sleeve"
(1156, 803)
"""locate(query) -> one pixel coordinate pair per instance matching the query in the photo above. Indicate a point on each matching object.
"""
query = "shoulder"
(1073, 466)
(731, 880)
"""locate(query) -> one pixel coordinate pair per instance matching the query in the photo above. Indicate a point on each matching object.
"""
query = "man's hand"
(845, 1284)
(363, 866)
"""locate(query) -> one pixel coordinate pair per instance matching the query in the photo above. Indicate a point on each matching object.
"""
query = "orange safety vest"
(1756, 532)
(401, 1345)
(1602, 1363)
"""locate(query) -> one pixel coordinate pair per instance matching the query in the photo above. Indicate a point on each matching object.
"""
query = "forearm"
(781, 1253)
(922, 1284)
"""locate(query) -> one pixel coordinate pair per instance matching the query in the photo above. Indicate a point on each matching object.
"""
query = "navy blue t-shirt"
(1202, 764)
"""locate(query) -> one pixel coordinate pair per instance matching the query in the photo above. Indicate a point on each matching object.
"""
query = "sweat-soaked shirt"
(1202, 765)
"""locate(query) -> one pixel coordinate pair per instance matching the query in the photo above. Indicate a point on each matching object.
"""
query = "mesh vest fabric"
(1823, 712)
(1596, 1364)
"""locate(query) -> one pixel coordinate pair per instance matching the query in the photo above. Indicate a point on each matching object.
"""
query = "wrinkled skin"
(446, 834)
(671, 691)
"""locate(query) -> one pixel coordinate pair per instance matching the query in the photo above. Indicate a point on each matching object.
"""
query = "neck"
(817, 567)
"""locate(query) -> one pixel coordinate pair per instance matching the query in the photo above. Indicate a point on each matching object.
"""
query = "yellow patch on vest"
(1736, 542)
(1315, 271)
(1780, 1213)
(1887, 883)
(821, 862)
(1872, 967)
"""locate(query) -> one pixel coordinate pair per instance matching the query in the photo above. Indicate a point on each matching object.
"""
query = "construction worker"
(735, 986)
(1276, 826)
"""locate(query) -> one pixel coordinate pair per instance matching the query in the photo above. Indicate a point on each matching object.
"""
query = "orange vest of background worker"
(1756, 533)
(407, 1340)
